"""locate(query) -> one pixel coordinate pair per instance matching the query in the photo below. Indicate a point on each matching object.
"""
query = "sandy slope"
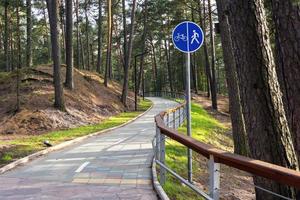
(89, 103)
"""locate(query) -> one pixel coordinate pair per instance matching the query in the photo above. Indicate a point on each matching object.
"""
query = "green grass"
(205, 128)
(25, 146)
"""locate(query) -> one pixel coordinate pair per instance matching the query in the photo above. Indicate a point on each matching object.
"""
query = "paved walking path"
(114, 165)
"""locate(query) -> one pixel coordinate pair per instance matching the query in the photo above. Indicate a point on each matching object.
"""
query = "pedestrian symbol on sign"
(195, 37)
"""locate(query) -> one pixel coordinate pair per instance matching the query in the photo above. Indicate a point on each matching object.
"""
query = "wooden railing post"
(214, 178)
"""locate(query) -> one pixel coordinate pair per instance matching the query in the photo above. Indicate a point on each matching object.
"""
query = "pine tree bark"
(193, 62)
(126, 70)
(29, 34)
(1, 36)
(63, 32)
(18, 104)
(194, 73)
(11, 45)
(144, 38)
(99, 56)
(110, 71)
(213, 84)
(207, 64)
(266, 124)
(92, 56)
(47, 33)
(77, 35)
(119, 48)
(155, 72)
(53, 19)
(128, 56)
(235, 107)
(109, 42)
(82, 53)
(87, 35)
(7, 66)
(168, 61)
(69, 45)
(286, 15)
(124, 33)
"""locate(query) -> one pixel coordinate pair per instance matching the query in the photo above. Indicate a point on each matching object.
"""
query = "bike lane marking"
(81, 167)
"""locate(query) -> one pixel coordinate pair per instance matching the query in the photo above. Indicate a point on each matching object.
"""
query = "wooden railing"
(216, 156)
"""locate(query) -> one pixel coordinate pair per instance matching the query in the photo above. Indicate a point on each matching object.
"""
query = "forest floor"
(211, 127)
(88, 104)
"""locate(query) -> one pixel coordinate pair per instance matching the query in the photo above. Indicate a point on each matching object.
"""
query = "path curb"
(64, 144)
(157, 186)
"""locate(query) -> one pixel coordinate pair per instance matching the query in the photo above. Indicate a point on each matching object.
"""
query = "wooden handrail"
(257, 167)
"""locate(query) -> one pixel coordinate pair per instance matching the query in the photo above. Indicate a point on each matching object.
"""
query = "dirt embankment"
(89, 103)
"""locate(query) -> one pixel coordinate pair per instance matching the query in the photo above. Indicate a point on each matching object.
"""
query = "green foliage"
(144, 105)
(6, 158)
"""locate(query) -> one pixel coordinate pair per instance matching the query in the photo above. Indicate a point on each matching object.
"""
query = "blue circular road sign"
(188, 37)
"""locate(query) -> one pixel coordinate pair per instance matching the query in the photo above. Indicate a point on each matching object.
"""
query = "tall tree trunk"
(119, 48)
(99, 57)
(193, 62)
(18, 104)
(235, 107)
(168, 61)
(207, 64)
(82, 53)
(69, 45)
(29, 34)
(124, 33)
(286, 16)
(87, 34)
(266, 124)
(92, 56)
(194, 72)
(155, 72)
(77, 35)
(47, 33)
(7, 66)
(110, 73)
(144, 37)
(109, 41)
(63, 32)
(213, 85)
(53, 19)
(1, 36)
(128, 56)
(11, 42)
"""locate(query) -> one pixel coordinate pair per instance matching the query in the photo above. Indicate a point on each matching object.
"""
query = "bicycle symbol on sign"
(180, 37)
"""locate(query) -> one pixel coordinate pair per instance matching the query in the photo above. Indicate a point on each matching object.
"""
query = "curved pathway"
(114, 165)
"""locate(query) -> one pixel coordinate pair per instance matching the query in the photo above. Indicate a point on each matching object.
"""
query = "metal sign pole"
(188, 114)
(188, 37)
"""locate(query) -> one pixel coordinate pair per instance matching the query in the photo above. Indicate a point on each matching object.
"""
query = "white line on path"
(81, 167)
(69, 159)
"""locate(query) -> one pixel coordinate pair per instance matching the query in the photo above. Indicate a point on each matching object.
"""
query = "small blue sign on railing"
(188, 37)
